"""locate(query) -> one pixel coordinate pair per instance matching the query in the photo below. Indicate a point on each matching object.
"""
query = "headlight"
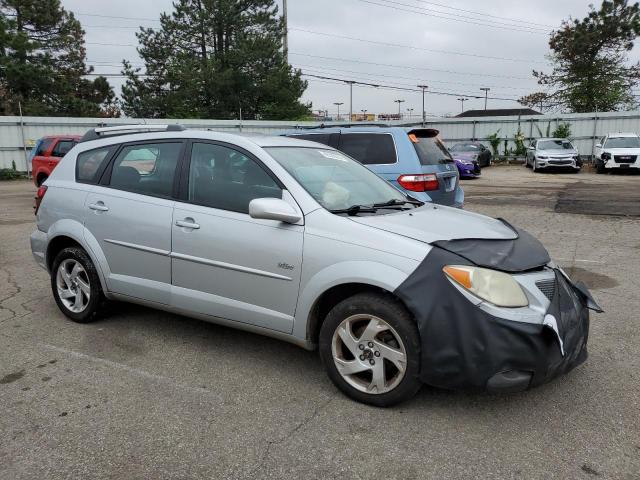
(606, 156)
(542, 157)
(495, 287)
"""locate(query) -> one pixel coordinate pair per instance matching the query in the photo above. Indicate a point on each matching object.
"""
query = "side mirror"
(273, 209)
(531, 147)
(598, 145)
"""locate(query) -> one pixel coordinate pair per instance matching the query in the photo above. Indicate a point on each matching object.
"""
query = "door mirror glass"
(273, 209)
(598, 145)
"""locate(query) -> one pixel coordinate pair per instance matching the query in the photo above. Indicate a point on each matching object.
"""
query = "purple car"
(467, 165)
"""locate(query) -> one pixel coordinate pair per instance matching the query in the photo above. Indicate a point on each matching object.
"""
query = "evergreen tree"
(42, 63)
(589, 57)
(211, 59)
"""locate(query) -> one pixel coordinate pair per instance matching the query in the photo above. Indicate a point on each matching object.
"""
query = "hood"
(561, 152)
(431, 223)
(464, 155)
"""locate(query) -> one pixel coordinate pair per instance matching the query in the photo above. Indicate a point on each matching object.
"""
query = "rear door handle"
(99, 206)
(187, 223)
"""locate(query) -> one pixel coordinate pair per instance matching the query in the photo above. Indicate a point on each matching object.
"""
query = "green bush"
(494, 141)
(9, 174)
(563, 130)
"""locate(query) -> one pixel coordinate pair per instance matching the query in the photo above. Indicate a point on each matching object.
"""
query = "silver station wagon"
(296, 240)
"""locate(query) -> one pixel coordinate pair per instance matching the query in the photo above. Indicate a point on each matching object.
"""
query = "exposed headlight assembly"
(542, 157)
(606, 156)
(495, 287)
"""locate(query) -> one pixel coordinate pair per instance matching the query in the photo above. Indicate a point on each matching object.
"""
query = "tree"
(42, 63)
(541, 101)
(589, 58)
(211, 59)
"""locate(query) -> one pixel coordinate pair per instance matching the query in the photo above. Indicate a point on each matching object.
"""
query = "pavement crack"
(17, 290)
(288, 435)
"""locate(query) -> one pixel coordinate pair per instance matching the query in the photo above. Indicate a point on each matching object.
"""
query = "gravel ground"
(146, 394)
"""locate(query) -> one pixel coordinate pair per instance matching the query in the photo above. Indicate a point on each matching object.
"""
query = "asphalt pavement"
(144, 394)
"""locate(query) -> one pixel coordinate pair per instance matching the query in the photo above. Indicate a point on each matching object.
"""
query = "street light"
(486, 92)
(337, 104)
(424, 113)
(399, 102)
(462, 100)
(410, 110)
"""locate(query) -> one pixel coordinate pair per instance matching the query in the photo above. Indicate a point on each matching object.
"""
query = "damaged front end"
(469, 342)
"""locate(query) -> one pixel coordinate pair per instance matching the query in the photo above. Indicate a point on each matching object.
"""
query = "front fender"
(365, 272)
(75, 230)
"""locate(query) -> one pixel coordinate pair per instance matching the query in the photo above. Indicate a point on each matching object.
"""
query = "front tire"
(76, 285)
(536, 169)
(370, 347)
(600, 168)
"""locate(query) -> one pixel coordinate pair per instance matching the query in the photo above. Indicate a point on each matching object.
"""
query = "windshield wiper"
(355, 209)
(396, 202)
(446, 160)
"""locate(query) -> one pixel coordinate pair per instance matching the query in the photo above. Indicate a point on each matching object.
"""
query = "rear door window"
(62, 147)
(314, 137)
(369, 148)
(146, 168)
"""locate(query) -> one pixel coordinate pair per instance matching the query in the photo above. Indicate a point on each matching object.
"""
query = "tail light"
(419, 183)
(39, 196)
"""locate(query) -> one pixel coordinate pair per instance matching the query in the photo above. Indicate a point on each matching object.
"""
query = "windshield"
(465, 147)
(333, 179)
(555, 145)
(623, 142)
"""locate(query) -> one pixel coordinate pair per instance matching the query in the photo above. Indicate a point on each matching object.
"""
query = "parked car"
(617, 151)
(414, 160)
(296, 240)
(472, 151)
(467, 167)
(552, 153)
(47, 153)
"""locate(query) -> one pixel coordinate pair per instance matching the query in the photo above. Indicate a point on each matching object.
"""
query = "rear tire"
(375, 342)
(41, 179)
(76, 285)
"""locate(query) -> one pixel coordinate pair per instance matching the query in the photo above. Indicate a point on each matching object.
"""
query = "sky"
(455, 47)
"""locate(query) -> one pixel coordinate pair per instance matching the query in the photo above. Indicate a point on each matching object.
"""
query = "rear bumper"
(38, 241)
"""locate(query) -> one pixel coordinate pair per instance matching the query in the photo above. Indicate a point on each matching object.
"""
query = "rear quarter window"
(90, 164)
(369, 148)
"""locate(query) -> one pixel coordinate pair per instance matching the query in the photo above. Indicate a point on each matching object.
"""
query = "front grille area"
(547, 287)
(625, 158)
(560, 162)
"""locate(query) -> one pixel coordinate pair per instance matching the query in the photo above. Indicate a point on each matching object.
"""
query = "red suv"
(48, 152)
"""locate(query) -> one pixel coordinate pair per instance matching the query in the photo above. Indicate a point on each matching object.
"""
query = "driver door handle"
(187, 223)
(99, 206)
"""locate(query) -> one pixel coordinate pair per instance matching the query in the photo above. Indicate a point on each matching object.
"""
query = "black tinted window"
(430, 150)
(146, 168)
(89, 164)
(369, 148)
(62, 147)
(43, 146)
(314, 137)
(220, 177)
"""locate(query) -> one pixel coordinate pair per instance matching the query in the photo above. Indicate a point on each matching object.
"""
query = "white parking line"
(132, 370)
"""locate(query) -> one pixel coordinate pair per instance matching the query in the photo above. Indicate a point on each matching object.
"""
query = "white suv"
(296, 240)
(617, 151)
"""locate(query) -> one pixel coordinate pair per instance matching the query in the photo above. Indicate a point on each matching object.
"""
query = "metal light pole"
(424, 113)
(337, 104)
(350, 82)
(486, 92)
(285, 39)
(399, 102)
(410, 110)
(462, 100)
(364, 115)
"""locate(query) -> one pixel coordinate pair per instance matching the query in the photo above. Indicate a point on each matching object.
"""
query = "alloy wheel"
(73, 286)
(369, 354)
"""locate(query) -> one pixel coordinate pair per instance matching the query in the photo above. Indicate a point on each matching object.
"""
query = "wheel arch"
(333, 284)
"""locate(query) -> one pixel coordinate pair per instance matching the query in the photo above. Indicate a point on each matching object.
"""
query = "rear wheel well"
(58, 244)
(41, 178)
(331, 298)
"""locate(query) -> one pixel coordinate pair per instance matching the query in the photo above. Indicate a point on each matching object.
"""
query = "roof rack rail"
(343, 125)
(102, 132)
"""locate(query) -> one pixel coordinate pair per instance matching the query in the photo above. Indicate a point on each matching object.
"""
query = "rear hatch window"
(430, 149)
